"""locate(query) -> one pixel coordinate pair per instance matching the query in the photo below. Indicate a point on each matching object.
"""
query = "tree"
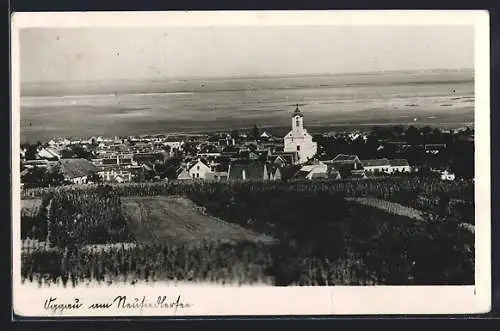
(41, 177)
(67, 153)
(235, 134)
(81, 152)
(413, 135)
(31, 151)
(399, 130)
(190, 148)
(254, 134)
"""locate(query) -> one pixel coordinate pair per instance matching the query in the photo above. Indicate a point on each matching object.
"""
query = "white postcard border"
(28, 300)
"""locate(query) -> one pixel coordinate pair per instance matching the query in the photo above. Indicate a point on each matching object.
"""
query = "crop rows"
(386, 188)
(390, 207)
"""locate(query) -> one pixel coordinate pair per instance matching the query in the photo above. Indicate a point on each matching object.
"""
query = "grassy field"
(164, 219)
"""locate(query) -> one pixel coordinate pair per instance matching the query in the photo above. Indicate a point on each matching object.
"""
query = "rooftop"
(73, 168)
(253, 171)
(375, 163)
(345, 157)
(297, 112)
(399, 163)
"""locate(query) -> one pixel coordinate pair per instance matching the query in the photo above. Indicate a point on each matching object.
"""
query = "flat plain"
(49, 110)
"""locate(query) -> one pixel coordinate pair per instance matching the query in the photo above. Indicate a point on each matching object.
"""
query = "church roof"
(297, 112)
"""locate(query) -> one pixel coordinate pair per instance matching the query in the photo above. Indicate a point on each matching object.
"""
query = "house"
(48, 153)
(209, 149)
(434, 148)
(199, 170)
(315, 170)
(77, 171)
(279, 161)
(347, 166)
(258, 155)
(286, 158)
(299, 140)
(359, 173)
(140, 158)
(216, 175)
(346, 160)
(399, 165)
(446, 175)
(29, 164)
(183, 174)
(377, 165)
(265, 135)
(115, 174)
(333, 173)
(230, 151)
(250, 171)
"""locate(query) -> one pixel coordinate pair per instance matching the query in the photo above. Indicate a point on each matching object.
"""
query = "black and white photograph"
(268, 151)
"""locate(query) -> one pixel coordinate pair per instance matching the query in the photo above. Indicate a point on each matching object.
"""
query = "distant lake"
(50, 110)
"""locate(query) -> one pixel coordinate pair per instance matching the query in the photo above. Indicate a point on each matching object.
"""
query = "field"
(390, 207)
(160, 220)
(140, 107)
(324, 233)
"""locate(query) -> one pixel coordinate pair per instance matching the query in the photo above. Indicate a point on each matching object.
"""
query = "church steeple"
(297, 112)
(297, 119)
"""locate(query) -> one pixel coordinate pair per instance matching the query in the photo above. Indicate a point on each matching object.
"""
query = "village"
(236, 156)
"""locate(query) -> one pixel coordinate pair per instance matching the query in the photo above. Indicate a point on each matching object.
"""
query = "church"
(299, 140)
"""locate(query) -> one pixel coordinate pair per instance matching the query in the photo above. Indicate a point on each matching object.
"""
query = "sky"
(84, 54)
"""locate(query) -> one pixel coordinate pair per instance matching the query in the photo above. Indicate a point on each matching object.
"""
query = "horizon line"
(245, 76)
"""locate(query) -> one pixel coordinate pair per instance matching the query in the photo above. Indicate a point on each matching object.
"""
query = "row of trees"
(42, 177)
(457, 156)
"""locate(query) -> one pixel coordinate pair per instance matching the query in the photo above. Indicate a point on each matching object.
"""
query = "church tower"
(298, 140)
(297, 120)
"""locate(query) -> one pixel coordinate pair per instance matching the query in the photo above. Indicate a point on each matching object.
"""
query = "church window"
(197, 175)
(198, 168)
(297, 122)
(298, 147)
